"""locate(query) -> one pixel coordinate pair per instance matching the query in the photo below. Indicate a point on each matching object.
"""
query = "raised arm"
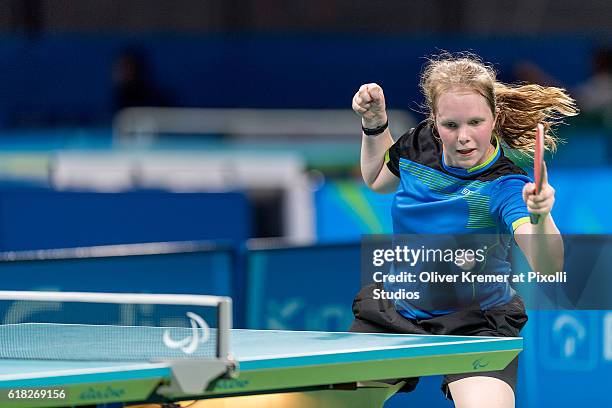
(369, 104)
(541, 243)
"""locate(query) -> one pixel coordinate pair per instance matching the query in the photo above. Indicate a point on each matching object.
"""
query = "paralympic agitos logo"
(480, 363)
(200, 333)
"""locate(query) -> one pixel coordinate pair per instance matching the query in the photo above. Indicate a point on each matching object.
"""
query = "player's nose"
(463, 136)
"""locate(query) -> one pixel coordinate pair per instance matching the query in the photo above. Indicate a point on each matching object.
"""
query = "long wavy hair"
(519, 107)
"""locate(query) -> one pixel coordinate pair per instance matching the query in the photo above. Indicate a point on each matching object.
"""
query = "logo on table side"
(200, 332)
(229, 384)
(100, 394)
(480, 363)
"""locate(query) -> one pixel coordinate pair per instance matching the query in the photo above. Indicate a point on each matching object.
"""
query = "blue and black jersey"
(434, 198)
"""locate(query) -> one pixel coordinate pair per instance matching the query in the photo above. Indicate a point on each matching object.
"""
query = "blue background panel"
(302, 288)
(208, 272)
(43, 218)
(566, 361)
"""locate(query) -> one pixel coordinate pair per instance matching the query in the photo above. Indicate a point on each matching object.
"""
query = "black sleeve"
(418, 145)
(395, 152)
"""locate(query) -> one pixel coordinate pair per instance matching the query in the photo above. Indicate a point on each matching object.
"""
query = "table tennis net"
(112, 327)
(111, 314)
(52, 341)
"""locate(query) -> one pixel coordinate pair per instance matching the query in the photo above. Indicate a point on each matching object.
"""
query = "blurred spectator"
(525, 71)
(132, 83)
(594, 96)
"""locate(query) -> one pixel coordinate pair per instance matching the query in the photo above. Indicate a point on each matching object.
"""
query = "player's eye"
(475, 122)
(449, 125)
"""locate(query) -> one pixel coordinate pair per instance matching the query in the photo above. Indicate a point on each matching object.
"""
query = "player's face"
(465, 123)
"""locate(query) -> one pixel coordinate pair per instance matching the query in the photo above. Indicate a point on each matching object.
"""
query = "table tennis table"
(269, 362)
(58, 365)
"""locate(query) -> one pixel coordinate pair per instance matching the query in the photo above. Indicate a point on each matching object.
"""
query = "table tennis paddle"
(538, 166)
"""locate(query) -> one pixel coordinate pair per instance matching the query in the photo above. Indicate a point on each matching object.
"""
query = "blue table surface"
(253, 349)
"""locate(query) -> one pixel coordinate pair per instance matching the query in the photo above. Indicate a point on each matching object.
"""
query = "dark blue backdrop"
(39, 218)
(67, 77)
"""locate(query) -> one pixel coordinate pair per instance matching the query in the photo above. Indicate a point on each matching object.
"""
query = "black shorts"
(379, 316)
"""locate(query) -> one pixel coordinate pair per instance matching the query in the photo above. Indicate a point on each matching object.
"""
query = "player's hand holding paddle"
(539, 196)
(369, 103)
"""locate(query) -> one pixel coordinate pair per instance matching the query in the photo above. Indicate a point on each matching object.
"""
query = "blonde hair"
(519, 107)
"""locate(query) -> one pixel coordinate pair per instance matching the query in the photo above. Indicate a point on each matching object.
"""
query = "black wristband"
(375, 131)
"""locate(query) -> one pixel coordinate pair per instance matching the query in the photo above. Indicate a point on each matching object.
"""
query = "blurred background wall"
(139, 122)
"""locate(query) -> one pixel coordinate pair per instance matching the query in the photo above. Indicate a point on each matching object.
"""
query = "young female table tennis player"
(450, 176)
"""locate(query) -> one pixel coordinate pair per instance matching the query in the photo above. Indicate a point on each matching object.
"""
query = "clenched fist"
(369, 103)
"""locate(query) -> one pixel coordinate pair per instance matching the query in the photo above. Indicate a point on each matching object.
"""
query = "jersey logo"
(466, 191)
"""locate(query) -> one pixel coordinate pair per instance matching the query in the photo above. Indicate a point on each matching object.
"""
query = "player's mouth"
(466, 152)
